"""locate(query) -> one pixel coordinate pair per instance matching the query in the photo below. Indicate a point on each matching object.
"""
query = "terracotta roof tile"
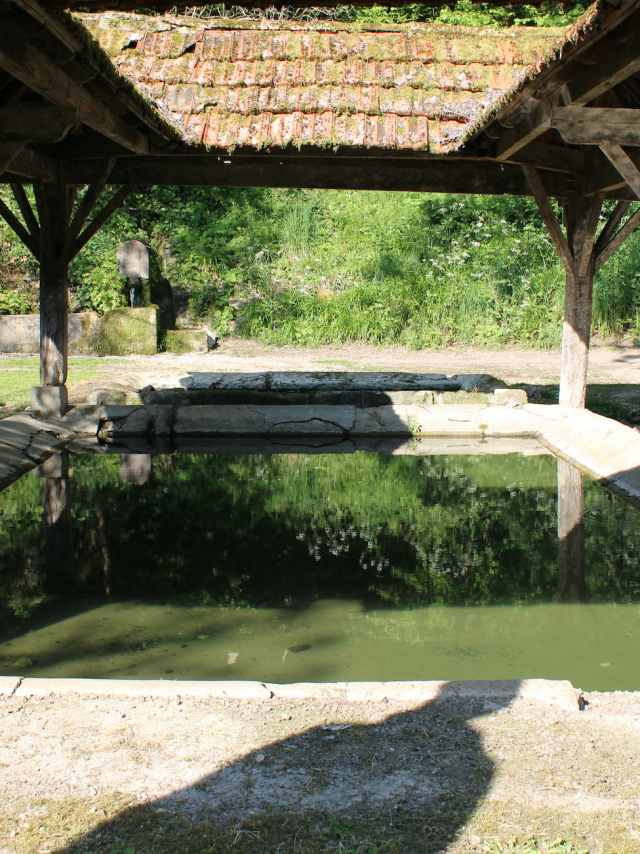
(260, 84)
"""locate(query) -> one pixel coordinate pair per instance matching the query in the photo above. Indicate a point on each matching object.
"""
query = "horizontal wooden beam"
(37, 71)
(595, 125)
(557, 158)
(8, 153)
(620, 62)
(624, 164)
(34, 166)
(529, 129)
(37, 124)
(430, 176)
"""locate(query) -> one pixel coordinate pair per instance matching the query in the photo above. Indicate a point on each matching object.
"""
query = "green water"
(316, 568)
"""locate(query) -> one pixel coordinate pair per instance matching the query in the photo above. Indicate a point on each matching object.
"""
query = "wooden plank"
(620, 62)
(611, 225)
(9, 151)
(624, 164)
(25, 209)
(38, 72)
(484, 176)
(15, 225)
(99, 220)
(548, 215)
(596, 125)
(36, 124)
(86, 205)
(616, 242)
(529, 129)
(33, 165)
(557, 158)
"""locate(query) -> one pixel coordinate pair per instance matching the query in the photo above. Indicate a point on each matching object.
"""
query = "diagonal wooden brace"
(550, 219)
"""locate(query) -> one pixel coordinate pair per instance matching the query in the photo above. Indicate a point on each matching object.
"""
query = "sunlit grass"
(18, 375)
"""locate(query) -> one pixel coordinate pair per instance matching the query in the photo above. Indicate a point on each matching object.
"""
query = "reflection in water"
(572, 586)
(135, 468)
(291, 568)
(56, 501)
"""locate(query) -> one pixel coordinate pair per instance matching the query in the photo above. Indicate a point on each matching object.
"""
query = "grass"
(17, 376)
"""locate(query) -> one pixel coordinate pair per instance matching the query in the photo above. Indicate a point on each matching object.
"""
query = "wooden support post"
(53, 203)
(577, 254)
(583, 216)
(571, 535)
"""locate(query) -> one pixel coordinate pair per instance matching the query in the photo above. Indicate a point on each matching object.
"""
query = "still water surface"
(292, 568)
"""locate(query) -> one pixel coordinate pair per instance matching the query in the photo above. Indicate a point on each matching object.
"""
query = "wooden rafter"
(624, 164)
(611, 226)
(616, 242)
(529, 129)
(548, 215)
(37, 71)
(25, 209)
(99, 220)
(8, 153)
(14, 223)
(86, 205)
(37, 123)
(617, 64)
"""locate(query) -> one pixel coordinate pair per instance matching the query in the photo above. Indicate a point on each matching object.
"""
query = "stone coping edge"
(556, 692)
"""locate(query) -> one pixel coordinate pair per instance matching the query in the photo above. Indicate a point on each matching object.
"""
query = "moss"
(188, 341)
(129, 331)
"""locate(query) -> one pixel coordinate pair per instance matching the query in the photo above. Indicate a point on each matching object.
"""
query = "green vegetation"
(283, 530)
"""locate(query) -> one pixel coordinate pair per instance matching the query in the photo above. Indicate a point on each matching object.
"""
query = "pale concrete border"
(8, 685)
(559, 693)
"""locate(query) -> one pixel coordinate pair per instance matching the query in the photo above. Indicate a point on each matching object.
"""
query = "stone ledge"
(559, 693)
(9, 684)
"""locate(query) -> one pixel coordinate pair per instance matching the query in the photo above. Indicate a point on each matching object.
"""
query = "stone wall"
(129, 331)
(20, 333)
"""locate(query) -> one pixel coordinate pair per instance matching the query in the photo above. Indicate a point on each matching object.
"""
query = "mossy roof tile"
(261, 84)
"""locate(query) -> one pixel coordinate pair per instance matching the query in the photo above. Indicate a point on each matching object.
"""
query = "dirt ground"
(132, 775)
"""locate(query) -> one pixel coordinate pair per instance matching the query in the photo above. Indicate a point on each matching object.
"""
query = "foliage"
(469, 14)
(284, 530)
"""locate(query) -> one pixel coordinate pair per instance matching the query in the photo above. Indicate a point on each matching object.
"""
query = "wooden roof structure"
(122, 99)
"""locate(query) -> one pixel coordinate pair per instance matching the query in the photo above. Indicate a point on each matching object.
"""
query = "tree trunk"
(54, 209)
(571, 536)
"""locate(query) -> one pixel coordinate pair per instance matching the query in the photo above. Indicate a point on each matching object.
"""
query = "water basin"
(319, 567)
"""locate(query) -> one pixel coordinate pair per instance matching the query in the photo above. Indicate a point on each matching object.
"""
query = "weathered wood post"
(54, 209)
(572, 586)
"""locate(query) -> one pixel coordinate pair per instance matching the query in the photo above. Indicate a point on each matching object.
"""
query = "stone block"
(129, 331)
(381, 421)
(478, 382)
(508, 397)
(196, 421)
(50, 399)
(83, 420)
(189, 340)
(340, 416)
(312, 427)
(396, 398)
(20, 333)
(137, 423)
(463, 397)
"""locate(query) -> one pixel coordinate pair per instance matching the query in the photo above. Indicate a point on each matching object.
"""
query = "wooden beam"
(36, 123)
(9, 151)
(548, 215)
(86, 206)
(611, 225)
(38, 72)
(25, 209)
(624, 164)
(557, 158)
(529, 129)
(33, 165)
(596, 125)
(484, 176)
(616, 242)
(99, 220)
(620, 62)
(15, 225)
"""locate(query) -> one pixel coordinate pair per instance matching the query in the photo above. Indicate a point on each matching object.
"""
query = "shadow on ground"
(401, 782)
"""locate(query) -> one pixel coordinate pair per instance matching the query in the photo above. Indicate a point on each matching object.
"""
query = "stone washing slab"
(25, 442)
(559, 693)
